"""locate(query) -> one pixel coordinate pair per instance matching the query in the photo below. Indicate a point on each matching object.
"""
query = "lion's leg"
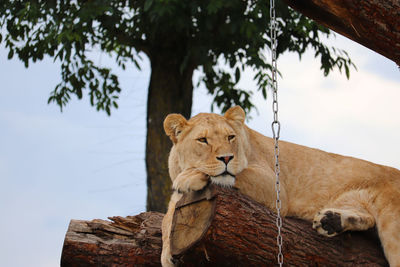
(190, 180)
(166, 257)
(348, 212)
(387, 210)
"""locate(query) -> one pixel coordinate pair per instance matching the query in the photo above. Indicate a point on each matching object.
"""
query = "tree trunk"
(221, 227)
(170, 91)
(372, 23)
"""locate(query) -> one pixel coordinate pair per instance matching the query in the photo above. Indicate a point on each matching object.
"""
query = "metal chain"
(276, 128)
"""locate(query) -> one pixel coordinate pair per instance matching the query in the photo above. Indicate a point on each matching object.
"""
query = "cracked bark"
(123, 241)
(219, 227)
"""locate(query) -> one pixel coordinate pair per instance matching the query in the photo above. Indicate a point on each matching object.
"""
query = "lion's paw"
(328, 223)
(189, 185)
(191, 181)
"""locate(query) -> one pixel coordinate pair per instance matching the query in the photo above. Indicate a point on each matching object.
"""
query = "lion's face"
(213, 144)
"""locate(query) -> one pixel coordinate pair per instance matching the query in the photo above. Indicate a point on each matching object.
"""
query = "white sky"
(81, 164)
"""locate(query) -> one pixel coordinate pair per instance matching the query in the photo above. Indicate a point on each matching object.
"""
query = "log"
(215, 227)
(242, 232)
(372, 23)
(123, 241)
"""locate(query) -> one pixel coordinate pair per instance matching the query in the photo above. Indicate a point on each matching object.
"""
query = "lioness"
(336, 193)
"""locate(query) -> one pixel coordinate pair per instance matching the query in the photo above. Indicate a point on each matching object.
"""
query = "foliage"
(221, 37)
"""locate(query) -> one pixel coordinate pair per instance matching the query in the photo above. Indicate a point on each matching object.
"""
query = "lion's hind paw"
(328, 223)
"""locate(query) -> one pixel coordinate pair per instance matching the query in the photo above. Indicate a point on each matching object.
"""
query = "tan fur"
(315, 185)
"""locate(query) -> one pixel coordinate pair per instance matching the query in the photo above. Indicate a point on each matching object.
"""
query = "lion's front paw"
(328, 223)
(187, 185)
(190, 181)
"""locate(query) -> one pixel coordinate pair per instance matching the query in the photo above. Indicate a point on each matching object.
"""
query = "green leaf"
(136, 64)
(264, 92)
(237, 74)
(79, 93)
(147, 5)
(347, 71)
(10, 54)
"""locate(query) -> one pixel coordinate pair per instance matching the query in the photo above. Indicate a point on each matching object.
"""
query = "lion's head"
(213, 144)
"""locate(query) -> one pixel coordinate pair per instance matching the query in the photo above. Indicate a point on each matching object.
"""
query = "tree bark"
(130, 241)
(221, 228)
(170, 91)
(372, 23)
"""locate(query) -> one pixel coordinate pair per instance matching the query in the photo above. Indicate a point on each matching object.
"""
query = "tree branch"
(372, 23)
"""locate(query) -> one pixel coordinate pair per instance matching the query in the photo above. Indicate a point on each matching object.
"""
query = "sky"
(82, 164)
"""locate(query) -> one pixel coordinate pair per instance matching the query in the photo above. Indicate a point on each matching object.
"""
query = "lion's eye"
(202, 140)
(231, 137)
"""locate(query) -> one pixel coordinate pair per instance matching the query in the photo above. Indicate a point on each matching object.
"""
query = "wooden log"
(215, 227)
(372, 23)
(123, 241)
(233, 230)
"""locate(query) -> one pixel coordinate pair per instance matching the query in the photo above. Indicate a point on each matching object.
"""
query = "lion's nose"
(225, 159)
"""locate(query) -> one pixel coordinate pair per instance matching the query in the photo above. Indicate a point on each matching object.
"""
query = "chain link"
(276, 128)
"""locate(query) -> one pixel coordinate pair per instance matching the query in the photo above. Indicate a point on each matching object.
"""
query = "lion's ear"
(235, 113)
(173, 126)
